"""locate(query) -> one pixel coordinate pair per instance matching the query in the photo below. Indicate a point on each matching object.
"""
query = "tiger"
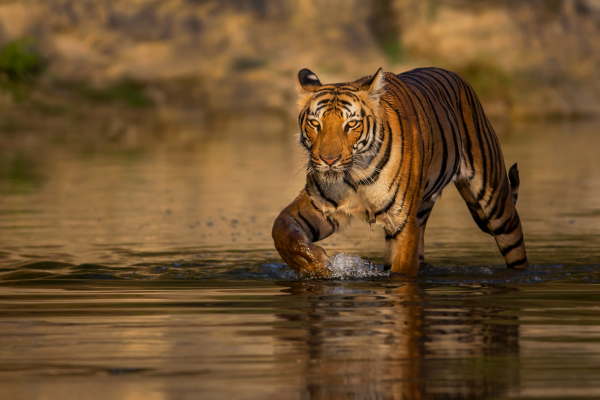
(382, 149)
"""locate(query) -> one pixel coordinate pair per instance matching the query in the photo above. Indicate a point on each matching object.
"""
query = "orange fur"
(381, 149)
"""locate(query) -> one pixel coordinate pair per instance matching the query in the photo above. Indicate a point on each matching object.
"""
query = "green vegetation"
(384, 26)
(489, 81)
(126, 91)
(20, 66)
(432, 10)
(393, 49)
(47, 108)
(247, 64)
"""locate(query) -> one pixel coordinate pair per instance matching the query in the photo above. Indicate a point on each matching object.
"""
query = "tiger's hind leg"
(495, 213)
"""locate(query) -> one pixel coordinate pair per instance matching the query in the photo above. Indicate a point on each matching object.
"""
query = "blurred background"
(200, 58)
(145, 128)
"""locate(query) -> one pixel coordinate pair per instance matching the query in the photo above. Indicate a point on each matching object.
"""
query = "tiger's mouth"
(327, 173)
(332, 175)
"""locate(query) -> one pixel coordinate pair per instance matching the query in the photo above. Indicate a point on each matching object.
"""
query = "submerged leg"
(402, 249)
(391, 243)
(405, 250)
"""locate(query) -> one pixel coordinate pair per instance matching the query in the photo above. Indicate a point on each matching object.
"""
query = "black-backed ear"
(308, 81)
(374, 84)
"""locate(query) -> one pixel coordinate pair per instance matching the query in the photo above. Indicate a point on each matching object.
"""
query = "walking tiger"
(382, 148)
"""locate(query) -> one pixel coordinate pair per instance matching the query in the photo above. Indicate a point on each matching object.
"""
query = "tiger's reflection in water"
(402, 342)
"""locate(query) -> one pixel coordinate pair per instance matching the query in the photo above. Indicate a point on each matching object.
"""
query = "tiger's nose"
(330, 161)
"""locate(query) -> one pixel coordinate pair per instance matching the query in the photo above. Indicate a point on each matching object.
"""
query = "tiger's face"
(339, 125)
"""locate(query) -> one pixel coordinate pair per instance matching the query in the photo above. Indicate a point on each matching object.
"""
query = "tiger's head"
(339, 125)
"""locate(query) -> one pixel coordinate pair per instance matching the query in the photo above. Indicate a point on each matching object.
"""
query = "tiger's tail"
(513, 177)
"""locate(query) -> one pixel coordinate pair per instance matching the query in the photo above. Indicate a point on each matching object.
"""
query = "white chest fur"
(364, 204)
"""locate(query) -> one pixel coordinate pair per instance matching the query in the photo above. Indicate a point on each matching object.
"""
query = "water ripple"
(344, 267)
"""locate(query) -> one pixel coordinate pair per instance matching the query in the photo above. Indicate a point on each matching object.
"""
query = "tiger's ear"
(308, 81)
(374, 85)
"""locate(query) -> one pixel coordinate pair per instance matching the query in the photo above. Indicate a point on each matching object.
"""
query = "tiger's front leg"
(402, 249)
(295, 229)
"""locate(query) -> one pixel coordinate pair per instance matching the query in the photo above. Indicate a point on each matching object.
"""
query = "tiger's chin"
(332, 176)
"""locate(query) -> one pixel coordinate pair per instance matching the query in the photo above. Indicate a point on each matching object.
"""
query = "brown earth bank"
(192, 60)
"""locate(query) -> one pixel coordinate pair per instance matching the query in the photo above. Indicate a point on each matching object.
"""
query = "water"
(145, 270)
(298, 340)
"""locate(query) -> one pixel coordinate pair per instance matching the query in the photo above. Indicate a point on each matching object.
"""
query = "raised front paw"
(303, 256)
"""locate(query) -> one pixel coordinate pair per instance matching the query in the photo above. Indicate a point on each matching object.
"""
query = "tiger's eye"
(314, 122)
(352, 124)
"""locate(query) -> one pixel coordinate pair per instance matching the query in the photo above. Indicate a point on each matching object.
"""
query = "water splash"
(345, 266)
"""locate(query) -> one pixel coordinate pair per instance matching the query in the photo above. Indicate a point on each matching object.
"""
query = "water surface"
(145, 270)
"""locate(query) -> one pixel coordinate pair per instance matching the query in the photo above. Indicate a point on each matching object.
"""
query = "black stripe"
(518, 262)
(320, 191)
(382, 162)
(467, 138)
(400, 85)
(490, 145)
(315, 206)
(354, 97)
(445, 76)
(491, 150)
(349, 183)
(497, 209)
(319, 108)
(479, 136)
(345, 89)
(370, 138)
(302, 118)
(366, 139)
(508, 226)
(304, 141)
(403, 147)
(390, 203)
(322, 93)
(326, 89)
(333, 222)
(513, 246)
(438, 84)
(314, 231)
(424, 212)
(441, 180)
